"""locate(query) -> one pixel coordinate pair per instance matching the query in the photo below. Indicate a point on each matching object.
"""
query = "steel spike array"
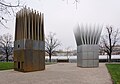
(87, 34)
(29, 25)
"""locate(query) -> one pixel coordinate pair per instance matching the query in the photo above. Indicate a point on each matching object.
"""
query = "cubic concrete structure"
(87, 38)
(29, 44)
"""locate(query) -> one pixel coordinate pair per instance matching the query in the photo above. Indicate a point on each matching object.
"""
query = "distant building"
(66, 53)
(116, 50)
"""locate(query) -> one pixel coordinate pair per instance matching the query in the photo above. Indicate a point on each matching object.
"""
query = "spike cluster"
(29, 25)
(88, 34)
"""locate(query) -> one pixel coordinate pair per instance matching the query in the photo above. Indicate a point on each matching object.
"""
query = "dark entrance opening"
(18, 65)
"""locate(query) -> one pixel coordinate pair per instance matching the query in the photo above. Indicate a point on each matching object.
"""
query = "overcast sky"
(61, 17)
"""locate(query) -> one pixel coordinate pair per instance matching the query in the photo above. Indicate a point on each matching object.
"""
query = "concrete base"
(88, 56)
(29, 55)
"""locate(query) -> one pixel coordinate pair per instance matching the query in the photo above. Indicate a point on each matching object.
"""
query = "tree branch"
(9, 5)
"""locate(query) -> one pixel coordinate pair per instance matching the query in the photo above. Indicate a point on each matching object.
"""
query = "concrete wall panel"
(87, 56)
(84, 63)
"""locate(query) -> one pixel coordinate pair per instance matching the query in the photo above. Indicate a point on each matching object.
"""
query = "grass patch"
(6, 65)
(10, 65)
(114, 70)
(49, 63)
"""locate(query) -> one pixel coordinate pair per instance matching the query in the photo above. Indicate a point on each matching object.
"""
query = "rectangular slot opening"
(18, 65)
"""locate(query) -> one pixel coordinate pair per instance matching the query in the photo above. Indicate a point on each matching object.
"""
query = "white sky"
(61, 17)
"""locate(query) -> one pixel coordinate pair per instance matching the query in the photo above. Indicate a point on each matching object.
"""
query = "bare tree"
(0, 57)
(7, 9)
(68, 52)
(51, 43)
(75, 2)
(109, 41)
(6, 42)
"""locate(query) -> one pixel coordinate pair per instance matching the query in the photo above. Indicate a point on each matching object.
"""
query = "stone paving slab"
(61, 73)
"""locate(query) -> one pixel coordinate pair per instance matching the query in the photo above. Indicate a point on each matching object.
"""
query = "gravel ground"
(61, 73)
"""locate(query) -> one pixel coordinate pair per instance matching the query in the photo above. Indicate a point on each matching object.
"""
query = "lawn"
(114, 70)
(6, 65)
(9, 65)
(49, 63)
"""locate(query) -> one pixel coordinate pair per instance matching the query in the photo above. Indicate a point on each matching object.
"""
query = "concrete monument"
(87, 38)
(29, 44)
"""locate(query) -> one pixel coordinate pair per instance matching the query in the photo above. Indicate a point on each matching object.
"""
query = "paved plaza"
(60, 73)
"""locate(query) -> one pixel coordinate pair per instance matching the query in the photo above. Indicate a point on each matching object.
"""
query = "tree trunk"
(6, 55)
(109, 58)
(6, 58)
(110, 47)
(49, 57)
